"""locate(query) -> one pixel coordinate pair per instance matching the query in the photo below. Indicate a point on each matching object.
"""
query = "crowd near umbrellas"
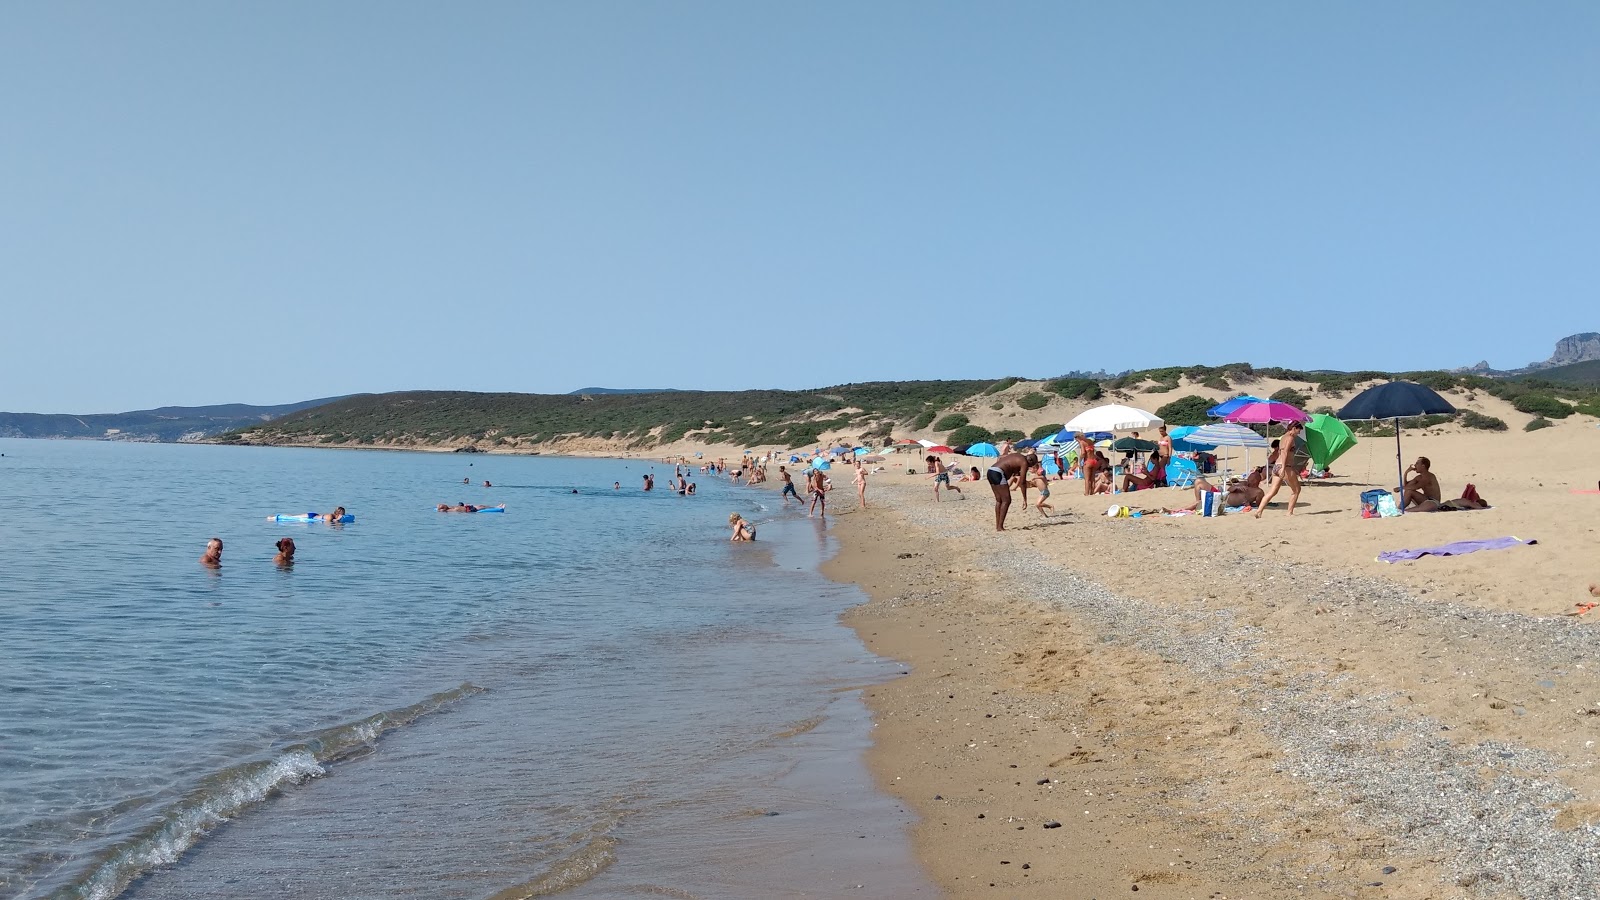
(1327, 439)
(1396, 400)
(1113, 417)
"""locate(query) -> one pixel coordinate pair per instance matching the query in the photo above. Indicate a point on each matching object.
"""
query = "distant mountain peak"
(1574, 348)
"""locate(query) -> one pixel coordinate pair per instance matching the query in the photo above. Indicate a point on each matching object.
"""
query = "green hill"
(740, 418)
(167, 423)
(1581, 374)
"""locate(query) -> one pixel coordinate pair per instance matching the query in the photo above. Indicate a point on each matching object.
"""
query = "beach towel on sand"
(1455, 549)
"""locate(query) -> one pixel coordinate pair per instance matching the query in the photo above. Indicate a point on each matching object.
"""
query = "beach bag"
(1210, 503)
(1369, 502)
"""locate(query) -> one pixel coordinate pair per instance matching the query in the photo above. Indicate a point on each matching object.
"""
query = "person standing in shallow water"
(212, 558)
(818, 485)
(285, 557)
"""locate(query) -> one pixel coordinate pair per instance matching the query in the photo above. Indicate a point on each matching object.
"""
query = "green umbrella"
(1327, 439)
(1133, 444)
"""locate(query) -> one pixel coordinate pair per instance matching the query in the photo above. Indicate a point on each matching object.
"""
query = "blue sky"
(264, 203)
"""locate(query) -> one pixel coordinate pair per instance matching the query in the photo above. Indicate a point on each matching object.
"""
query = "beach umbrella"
(907, 442)
(982, 449)
(1179, 436)
(1113, 417)
(930, 445)
(862, 451)
(1327, 439)
(1029, 443)
(820, 463)
(1221, 410)
(1227, 434)
(1066, 437)
(1264, 411)
(1135, 445)
(1396, 400)
(937, 448)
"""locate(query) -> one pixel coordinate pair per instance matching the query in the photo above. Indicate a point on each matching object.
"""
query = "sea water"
(591, 694)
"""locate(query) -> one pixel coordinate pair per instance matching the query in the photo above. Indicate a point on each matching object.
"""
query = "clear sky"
(264, 203)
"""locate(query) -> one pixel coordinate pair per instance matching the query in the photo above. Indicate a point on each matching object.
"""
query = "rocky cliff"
(1575, 348)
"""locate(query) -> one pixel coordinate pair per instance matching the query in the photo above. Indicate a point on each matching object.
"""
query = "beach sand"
(1238, 707)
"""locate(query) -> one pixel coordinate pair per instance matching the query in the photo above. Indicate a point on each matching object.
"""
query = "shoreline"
(1258, 696)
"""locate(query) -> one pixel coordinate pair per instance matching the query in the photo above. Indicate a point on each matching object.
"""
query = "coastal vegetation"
(959, 412)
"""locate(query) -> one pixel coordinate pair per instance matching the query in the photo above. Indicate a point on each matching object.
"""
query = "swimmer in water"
(331, 518)
(616, 485)
(285, 557)
(742, 531)
(466, 481)
(213, 555)
(487, 484)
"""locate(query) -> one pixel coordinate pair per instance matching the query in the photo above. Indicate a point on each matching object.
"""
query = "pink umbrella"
(1269, 411)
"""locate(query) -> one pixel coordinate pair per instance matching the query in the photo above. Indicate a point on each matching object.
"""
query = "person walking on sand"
(1042, 483)
(1012, 465)
(941, 475)
(817, 485)
(861, 483)
(1285, 472)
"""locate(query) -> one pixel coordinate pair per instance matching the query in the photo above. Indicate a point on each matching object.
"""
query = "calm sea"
(591, 695)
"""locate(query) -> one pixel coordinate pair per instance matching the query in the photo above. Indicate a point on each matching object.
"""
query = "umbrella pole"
(1398, 464)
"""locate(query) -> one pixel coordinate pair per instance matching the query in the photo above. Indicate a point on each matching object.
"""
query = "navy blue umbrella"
(1396, 400)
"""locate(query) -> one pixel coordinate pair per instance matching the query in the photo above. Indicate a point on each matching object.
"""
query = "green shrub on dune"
(1044, 431)
(969, 434)
(1290, 396)
(1190, 410)
(1033, 400)
(951, 422)
(1537, 424)
(1473, 419)
(1541, 405)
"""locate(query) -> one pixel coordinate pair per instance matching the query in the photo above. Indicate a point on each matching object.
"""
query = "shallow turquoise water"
(592, 694)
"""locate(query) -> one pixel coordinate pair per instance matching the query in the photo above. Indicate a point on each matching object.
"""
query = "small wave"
(589, 861)
(223, 795)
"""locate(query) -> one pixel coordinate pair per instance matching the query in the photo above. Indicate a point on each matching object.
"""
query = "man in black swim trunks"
(1011, 465)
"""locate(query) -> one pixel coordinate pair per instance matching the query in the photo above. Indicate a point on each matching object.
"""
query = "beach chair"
(1181, 472)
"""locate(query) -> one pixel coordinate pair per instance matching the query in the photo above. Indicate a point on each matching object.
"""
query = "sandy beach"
(1233, 707)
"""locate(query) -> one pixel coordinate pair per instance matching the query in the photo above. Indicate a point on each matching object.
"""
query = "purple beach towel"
(1455, 549)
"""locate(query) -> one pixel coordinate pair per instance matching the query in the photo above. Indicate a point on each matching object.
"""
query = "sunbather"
(1421, 492)
(1239, 493)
